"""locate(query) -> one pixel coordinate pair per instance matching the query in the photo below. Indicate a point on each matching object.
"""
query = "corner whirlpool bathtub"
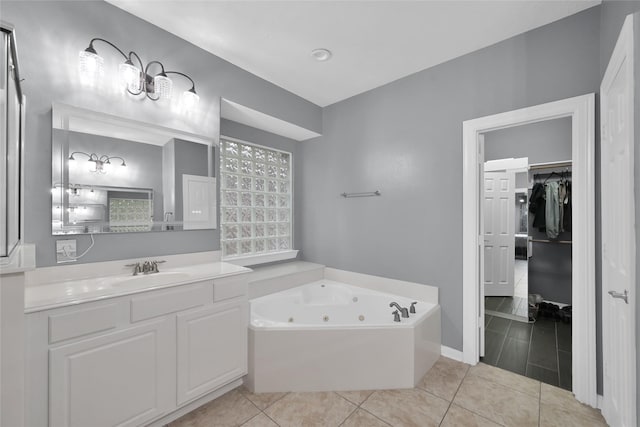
(330, 336)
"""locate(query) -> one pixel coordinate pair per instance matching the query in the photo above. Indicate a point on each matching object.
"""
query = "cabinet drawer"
(82, 322)
(229, 287)
(170, 301)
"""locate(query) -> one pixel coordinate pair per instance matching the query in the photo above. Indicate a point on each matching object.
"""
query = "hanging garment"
(552, 211)
(537, 206)
(562, 194)
(566, 219)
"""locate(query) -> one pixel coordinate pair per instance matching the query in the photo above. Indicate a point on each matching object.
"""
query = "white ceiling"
(373, 42)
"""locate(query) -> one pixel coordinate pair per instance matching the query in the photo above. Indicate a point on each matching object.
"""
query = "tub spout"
(403, 310)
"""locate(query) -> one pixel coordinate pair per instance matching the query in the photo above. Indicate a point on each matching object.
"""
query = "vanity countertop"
(70, 292)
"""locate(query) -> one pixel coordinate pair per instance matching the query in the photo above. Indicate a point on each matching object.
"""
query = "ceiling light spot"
(321, 54)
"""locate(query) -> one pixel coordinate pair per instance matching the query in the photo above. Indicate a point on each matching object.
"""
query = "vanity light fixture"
(99, 161)
(136, 80)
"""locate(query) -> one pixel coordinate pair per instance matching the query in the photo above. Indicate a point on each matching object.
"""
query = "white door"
(618, 234)
(124, 378)
(212, 348)
(499, 233)
(198, 202)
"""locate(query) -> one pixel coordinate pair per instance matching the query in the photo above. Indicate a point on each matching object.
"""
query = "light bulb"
(90, 67)
(190, 99)
(162, 86)
(130, 76)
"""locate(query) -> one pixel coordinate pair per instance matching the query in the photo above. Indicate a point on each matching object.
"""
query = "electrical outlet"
(66, 250)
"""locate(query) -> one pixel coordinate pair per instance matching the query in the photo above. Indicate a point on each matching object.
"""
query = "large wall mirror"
(117, 175)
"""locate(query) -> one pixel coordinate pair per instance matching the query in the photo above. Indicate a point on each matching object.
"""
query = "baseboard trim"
(599, 401)
(451, 353)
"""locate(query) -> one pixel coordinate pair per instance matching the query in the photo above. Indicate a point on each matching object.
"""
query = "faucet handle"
(396, 316)
(137, 268)
(412, 309)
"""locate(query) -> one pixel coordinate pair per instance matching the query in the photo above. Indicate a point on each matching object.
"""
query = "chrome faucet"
(137, 268)
(403, 310)
(147, 267)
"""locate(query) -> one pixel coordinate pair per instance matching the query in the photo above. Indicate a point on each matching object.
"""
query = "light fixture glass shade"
(130, 76)
(90, 67)
(162, 86)
(190, 100)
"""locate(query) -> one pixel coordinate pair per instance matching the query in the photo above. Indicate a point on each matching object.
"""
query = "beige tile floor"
(451, 394)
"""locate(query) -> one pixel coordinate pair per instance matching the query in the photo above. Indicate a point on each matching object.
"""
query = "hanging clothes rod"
(368, 194)
(550, 165)
(566, 242)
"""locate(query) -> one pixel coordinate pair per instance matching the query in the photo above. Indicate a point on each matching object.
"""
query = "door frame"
(581, 109)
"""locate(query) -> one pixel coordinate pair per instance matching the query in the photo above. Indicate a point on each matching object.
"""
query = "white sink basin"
(154, 279)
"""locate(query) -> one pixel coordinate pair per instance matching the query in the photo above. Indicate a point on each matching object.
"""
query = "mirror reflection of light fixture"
(99, 161)
(136, 80)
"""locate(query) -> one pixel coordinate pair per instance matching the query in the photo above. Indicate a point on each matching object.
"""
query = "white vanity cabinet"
(132, 360)
(121, 378)
(212, 348)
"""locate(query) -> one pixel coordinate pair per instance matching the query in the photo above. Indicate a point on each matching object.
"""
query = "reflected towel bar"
(368, 194)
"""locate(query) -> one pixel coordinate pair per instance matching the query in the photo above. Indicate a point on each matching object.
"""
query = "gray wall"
(541, 142)
(190, 158)
(246, 133)
(50, 34)
(405, 139)
(612, 17)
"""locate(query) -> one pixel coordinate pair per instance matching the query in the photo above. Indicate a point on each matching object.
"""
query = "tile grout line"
(453, 397)
(555, 329)
(470, 410)
(350, 413)
(540, 404)
(267, 407)
(503, 342)
(526, 368)
(368, 412)
(374, 415)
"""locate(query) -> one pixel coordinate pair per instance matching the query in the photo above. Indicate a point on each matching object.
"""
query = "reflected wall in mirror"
(116, 175)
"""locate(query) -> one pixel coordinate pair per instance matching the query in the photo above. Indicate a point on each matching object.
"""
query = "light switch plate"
(66, 250)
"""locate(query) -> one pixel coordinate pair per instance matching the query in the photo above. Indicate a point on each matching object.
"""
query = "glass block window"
(255, 195)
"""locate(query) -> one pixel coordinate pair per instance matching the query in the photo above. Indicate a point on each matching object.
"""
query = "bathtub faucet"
(403, 310)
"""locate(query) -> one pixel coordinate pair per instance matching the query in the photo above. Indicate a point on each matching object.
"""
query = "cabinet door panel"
(212, 348)
(122, 378)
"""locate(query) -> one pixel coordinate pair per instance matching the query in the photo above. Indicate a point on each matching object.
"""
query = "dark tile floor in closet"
(540, 350)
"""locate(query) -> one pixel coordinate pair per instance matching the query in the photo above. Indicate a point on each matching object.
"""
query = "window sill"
(262, 258)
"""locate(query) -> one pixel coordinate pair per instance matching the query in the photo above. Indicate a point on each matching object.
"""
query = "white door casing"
(499, 233)
(198, 202)
(581, 109)
(480, 254)
(618, 234)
